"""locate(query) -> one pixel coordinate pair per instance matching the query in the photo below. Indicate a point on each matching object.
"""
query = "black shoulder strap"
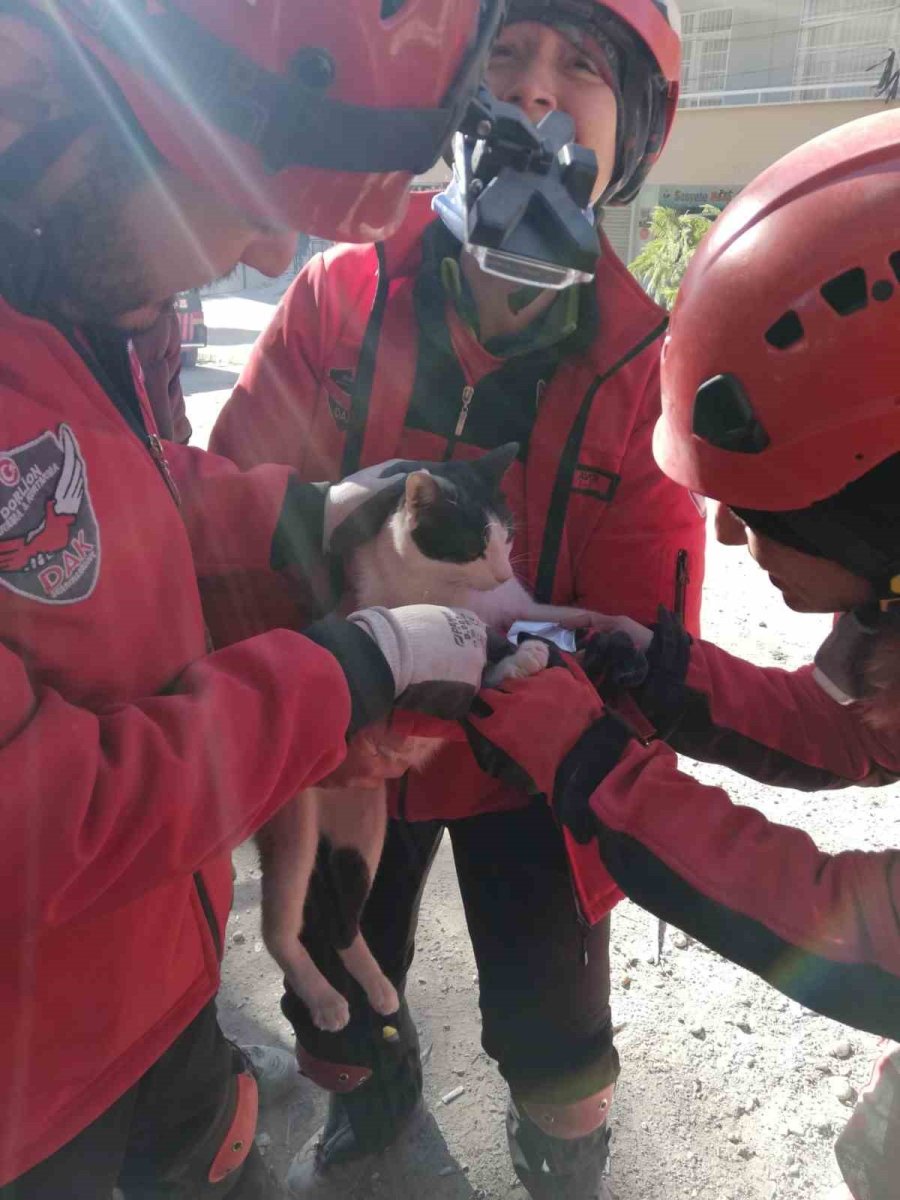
(365, 372)
(559, 499)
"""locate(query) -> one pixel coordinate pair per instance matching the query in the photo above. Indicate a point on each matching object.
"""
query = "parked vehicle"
(189, 308)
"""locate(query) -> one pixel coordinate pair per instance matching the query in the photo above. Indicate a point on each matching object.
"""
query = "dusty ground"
(728, 1092)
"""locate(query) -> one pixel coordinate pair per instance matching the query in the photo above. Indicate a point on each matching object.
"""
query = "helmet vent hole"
(847, 293)
(723, 416)
(882, 289)
(786, 331)
(894, 260)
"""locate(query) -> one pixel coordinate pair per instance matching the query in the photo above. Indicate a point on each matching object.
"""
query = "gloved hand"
(317, 519)
(519, 732)
(357, 507)
(650, 665)
(421, 657)
(639, 636)
(320, 522)
(613, 659)
(436, 655)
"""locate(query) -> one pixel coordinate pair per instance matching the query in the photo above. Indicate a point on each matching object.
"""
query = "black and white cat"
(447, 541)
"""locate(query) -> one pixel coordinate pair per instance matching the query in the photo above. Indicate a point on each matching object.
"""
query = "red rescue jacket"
(133, 760)
(822, 928)
(327, 389)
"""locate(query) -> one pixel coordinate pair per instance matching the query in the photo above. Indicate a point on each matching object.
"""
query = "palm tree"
(663, 261)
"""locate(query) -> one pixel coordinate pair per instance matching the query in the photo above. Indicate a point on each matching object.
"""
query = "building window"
(705, 43)
(841, 40)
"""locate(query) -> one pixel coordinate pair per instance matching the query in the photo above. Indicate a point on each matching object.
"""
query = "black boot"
(557, 1168)
(364, 1122)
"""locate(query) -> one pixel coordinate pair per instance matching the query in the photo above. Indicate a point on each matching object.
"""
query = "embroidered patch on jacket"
(344, 378)
(594, 481)
(49, 538)
(339, 415)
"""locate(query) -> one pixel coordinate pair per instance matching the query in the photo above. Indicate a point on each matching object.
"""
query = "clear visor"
(528, 271)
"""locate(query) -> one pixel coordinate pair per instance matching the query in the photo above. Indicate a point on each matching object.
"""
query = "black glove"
(582, 771)
(663, 695)
(651, 681)
(612, 658)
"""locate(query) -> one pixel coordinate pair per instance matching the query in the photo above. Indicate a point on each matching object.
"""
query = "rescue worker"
(407, 348)
(781, 398)
(144, 149)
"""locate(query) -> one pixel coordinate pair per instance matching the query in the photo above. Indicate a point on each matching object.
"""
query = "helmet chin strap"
(27, 271)
(25, 163)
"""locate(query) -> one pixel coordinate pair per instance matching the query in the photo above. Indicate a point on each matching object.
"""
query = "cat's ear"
(422, 490)
(491, 467)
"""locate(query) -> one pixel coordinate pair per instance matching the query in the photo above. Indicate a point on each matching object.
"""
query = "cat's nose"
(503, 572)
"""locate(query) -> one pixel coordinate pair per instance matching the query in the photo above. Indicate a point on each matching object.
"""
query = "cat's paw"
(329, 1010)
(530, 657)
(331, 1013)
(327, 1007)
(527, 659)
(383, 996)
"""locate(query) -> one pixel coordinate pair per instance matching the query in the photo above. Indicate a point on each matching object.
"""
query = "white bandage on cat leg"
(436, 655)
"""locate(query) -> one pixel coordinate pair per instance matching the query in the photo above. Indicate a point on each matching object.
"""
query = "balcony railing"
(792, 94)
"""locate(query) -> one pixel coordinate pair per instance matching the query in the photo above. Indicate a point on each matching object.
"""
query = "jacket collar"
(626, 312)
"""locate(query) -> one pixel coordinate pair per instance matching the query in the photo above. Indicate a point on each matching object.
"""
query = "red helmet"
(780, 377)
(642, 39)
(308, 114)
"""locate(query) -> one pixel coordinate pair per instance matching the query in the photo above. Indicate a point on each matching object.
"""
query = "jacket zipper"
(466, 403)
(402, 787)
(467, 393)
(584, 924)
(682, 579)
(208, 912)
(158, 454)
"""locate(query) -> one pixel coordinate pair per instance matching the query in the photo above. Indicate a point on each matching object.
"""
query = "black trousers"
(543, 975)
(158, 1140)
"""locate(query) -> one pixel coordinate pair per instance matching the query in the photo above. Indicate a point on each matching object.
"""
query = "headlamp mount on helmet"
(526, 191)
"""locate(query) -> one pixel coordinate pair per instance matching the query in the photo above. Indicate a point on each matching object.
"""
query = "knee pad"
(571, 1119)
(238, 1140)
(332, 1076)
(368, 1047)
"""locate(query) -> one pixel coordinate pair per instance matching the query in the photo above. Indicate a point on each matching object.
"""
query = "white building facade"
(759, 77)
